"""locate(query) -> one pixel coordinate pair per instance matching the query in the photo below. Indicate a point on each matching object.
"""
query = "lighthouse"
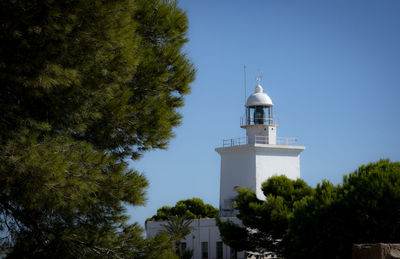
(248, 162)
(251, 160)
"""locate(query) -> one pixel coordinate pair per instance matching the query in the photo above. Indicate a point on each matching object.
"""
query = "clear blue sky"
(332, 69)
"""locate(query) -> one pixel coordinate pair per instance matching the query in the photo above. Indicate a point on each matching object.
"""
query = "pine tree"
(85, 85)
(298, 221)
(193, 208)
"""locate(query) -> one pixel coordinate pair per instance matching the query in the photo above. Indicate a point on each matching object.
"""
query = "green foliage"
(159, 246)
(191, 208)
(235, 236)
(177, 228)
(180, 217)
(264, 221)
(297, 221)
(322, 220)
(85, 85)
(186, 253)
(364, 209)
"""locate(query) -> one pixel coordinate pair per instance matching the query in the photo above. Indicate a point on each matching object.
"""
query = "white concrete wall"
(261, 130)
(251, 165)
(276, 160)
(237, 169)
(205, 230)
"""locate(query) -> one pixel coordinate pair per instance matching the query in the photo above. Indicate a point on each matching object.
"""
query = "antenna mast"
(245, 94)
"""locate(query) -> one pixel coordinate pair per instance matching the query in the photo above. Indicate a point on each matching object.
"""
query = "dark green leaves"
(298, 221)
(85, 85)
(191, 208)
(265, 222)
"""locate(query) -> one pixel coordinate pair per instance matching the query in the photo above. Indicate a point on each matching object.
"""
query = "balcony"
(286, 141)
(251, 120)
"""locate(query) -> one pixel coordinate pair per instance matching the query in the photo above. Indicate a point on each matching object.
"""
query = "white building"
(204, 240)
(246, 162)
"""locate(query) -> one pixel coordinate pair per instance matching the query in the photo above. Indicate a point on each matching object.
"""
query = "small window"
(204, 250)
(228, 204)
(183, 245)
(233, 253)
(219, 250)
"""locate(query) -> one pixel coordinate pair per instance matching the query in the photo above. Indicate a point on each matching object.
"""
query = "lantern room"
(259, 109)
(259, 120)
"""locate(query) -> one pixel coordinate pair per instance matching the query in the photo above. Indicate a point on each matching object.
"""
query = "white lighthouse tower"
(250, 161)
(246, 162)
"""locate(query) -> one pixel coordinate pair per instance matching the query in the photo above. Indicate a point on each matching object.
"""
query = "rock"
(376, 251)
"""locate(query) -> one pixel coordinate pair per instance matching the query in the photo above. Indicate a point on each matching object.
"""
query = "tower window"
(228, 204)
(204, 250)
(219, 250)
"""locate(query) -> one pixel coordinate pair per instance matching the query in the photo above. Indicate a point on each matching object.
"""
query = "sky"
(331, 68)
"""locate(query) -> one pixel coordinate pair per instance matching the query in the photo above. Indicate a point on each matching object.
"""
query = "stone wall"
(376, 251)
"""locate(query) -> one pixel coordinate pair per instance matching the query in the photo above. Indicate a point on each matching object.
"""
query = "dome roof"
(259, 98)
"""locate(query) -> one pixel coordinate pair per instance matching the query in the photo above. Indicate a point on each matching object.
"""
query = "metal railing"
(234, 142)
(246, 121)
(289, 141)
(286, 141)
